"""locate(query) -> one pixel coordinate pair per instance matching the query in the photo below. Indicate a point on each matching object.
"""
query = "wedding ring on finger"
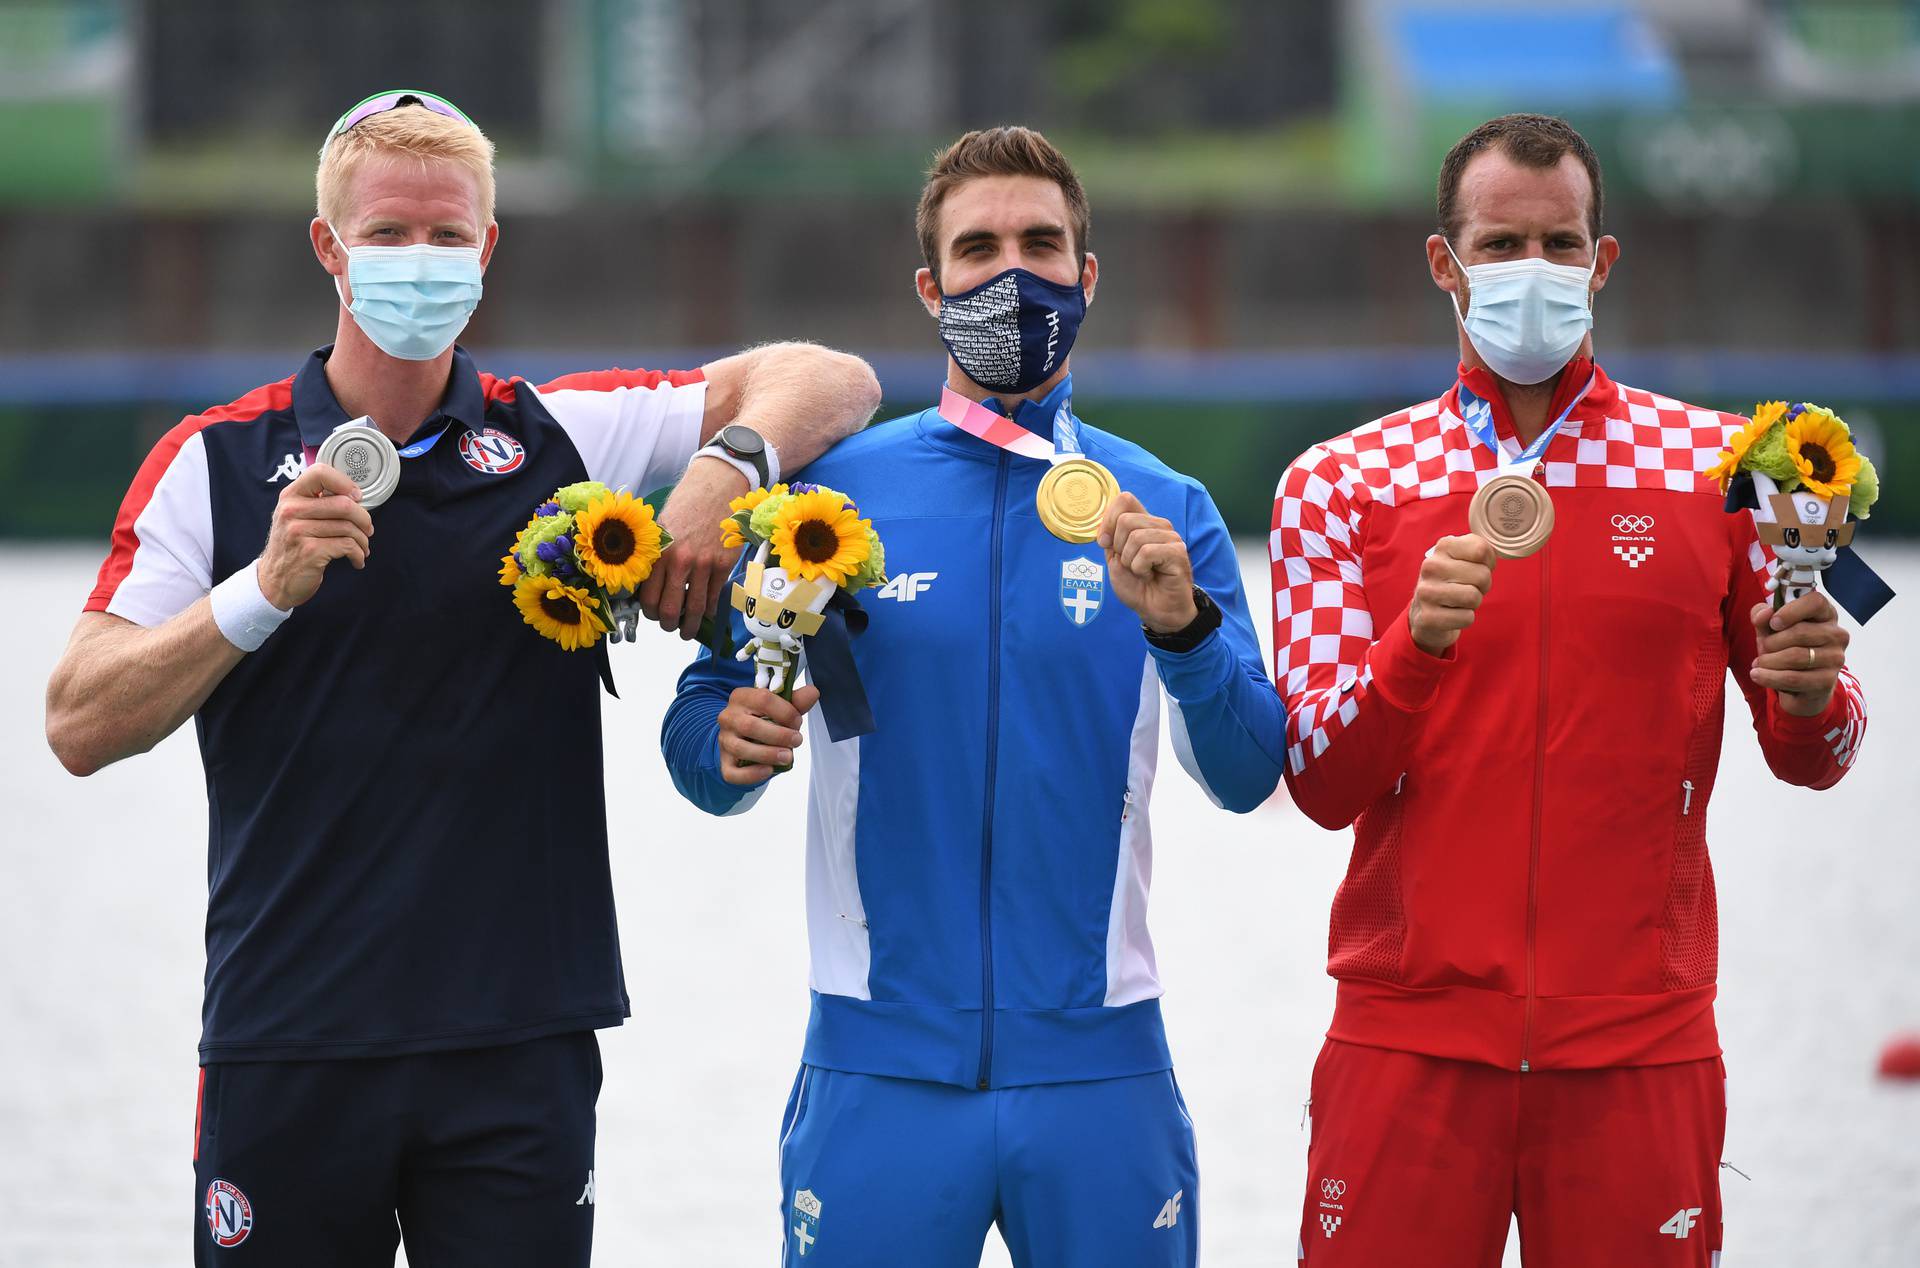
(1813, 658)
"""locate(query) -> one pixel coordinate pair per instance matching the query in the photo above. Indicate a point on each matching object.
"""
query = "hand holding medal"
(1511, 517)
(1148, 566)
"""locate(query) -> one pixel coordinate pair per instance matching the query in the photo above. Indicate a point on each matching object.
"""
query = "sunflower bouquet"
(578, 561)
(810, 552)
(1795, 468)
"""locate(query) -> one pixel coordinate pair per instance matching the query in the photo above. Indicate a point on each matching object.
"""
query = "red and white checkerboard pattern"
(1323, 630)
(1846, 739)
(1633, 556)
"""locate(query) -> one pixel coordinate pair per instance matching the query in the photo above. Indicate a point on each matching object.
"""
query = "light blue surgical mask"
(1526, 318)
(412, 301)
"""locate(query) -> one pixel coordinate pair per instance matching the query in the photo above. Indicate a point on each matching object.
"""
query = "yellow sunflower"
(617, 540)
(731, 538)
(754, 497)
(566, 614)
(1764, 417)
(818, 535)
(509, 570)
(1818, 443)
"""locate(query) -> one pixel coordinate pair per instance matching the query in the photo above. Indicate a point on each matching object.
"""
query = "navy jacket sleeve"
(1229, 723)
(690, 735)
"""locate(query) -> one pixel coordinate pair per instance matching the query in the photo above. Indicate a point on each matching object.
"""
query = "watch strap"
(1207, 618)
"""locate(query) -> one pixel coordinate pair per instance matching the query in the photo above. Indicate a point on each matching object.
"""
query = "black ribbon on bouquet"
(830, 667)
(1851, 581)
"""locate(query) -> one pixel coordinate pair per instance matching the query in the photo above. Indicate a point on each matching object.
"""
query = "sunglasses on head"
(381, 102)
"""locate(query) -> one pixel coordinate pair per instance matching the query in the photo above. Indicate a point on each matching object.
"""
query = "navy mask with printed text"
(1012, 332)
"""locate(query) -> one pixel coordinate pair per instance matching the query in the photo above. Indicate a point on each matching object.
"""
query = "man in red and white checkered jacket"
(1525, 940)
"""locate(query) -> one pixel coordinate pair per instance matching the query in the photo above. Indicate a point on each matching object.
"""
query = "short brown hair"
(1004, 151)
(1532, 140)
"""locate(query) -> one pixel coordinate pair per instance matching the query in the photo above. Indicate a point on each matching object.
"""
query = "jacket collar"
(318, 413)
(1037, 416)
(1599, 403)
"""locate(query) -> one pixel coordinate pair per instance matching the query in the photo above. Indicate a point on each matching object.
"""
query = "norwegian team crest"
(806, 1219)
(1083, 585)
(492, 452)
(229, 1214)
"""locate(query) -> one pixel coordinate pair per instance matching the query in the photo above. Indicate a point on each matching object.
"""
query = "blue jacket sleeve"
(1229, 724)
(690, 735)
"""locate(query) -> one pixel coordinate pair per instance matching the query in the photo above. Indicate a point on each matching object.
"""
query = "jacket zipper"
(1539, 802)
(993, 760)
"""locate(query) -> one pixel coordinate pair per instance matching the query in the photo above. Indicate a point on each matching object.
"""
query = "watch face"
(741, 440)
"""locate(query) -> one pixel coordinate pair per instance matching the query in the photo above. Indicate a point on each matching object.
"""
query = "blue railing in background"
(1709, 376)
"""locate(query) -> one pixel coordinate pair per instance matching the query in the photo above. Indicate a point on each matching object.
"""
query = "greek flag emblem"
(1083, 585)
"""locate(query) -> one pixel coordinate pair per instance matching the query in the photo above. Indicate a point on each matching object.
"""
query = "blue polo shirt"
(406, 819)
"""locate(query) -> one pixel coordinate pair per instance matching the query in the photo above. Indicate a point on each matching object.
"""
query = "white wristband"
(241, 610)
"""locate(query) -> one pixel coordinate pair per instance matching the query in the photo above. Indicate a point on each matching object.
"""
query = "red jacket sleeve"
(1812, 752)
(1355, 697)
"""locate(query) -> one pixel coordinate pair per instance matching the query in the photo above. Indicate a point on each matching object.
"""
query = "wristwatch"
(746, 451)
(1206, 620)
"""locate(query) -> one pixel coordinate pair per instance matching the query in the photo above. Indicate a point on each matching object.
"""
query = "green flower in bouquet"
(873, 570)
(574, 498)
(1866, 489)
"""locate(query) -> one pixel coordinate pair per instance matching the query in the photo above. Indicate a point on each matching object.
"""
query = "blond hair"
(406, 131)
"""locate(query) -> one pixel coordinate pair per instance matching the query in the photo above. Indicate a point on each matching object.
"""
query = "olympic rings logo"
(1633, 523)
(1333, 1190)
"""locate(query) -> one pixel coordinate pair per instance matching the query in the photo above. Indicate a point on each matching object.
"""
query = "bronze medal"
(1514, 514)
(1073, 498)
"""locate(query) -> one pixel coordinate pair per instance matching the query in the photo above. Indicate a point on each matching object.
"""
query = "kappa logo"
(1083, 586)
(229, 1214)
(291, 468)
(1633, 539)
(586, 1194)
(492, 452)
(806, 1211)
(1170, 1212)
(905, 587)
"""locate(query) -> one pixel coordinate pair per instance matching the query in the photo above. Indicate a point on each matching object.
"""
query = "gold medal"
(1073, 498)
(1514, 514)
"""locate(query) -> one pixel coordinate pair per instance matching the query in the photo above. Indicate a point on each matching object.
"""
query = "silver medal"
(366, 457)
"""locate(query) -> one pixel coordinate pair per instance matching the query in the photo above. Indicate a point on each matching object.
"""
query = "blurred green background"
(678, 179)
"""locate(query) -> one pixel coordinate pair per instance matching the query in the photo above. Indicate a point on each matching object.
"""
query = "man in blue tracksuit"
(986, 1043)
